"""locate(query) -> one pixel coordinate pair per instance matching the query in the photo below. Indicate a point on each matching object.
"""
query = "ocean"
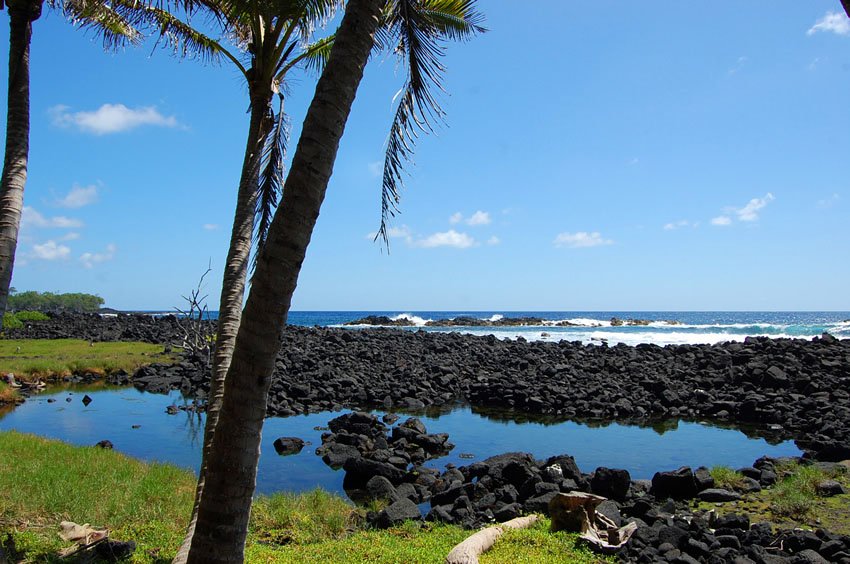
(594, 327)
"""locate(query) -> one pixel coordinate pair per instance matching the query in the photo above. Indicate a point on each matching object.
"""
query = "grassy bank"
(59, 358)
(8, 394)
(43, 482)
(793, 502)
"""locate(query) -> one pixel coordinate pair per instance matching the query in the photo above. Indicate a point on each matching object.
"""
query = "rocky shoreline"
(783, 389)
(386, 463)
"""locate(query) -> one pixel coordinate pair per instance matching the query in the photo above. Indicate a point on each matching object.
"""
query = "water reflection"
(138, 425)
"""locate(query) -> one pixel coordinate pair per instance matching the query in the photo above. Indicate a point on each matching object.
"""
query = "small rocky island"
(495, 321)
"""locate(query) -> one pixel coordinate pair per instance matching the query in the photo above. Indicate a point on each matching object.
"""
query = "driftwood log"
(468, 551)
(575, 512)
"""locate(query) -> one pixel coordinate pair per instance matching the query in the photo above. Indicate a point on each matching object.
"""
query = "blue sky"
(598, 156)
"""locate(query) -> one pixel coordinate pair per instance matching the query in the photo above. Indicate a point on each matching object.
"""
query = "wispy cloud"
(91, 259)
(493, 240)
(672, 226)
(78, 197)
(210, 226)
(476, 219)
(402, 232)
(376, 168)
(450, 238)
(71, 236)
(829, 202)
(581, 239)
(111, 118)
(832, 22)
(739, 65)
(748, 213)
(50, 250)
(32, 218)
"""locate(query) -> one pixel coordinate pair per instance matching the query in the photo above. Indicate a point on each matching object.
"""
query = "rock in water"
(288, 445)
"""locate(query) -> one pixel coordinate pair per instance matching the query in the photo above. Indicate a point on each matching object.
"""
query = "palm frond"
(846, 4)
(455, 20)
(107, 24)
(183, 39)
(314, 56)
(417, 31)
(271, 179)
(315, 14)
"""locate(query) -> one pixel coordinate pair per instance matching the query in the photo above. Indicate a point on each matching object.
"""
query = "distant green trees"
(48, 301)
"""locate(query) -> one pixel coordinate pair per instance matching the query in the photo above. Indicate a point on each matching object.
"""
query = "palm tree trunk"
(232, 463)
(232, 291)
(21, 15)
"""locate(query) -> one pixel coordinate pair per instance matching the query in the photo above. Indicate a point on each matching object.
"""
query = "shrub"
(31, 316)
(11, 321)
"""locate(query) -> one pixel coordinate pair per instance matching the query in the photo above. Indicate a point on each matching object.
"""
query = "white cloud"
(32, 218)
(751, 210)
(78, 197)
(493, 240)
(402, 232)
(829, 202)
(581, 239)
(679, 224)
(110, 118)
(450, 238)
(90, 259)
(210, 226)
(478, 218)
(50, 250)
(376, 168)
(832, 22)
(71, 236)
(748, 213)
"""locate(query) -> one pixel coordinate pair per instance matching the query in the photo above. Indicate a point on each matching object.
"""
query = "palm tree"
(416, 28)
(270, 39)
(115, 30)
(273, 37)
(846, 4)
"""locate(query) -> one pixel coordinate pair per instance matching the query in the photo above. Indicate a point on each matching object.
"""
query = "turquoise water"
(177, 438)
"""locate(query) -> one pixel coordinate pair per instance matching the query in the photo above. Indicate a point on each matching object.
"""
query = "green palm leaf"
(417, 30)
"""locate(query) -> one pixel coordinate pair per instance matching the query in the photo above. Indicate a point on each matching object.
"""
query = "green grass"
(796, 496)
(43, 482)
(726, 478)
(793, 501)
(58, 358)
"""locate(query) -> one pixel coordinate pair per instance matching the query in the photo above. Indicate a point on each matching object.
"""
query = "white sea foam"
(414, 319)
(598, 337)
(496, 317)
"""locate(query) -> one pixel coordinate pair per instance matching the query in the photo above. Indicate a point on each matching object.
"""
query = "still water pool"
(113, 414)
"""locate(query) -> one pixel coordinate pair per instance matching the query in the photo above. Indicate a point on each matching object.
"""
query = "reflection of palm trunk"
(21, 15)
(232, 291)
(232, 462)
